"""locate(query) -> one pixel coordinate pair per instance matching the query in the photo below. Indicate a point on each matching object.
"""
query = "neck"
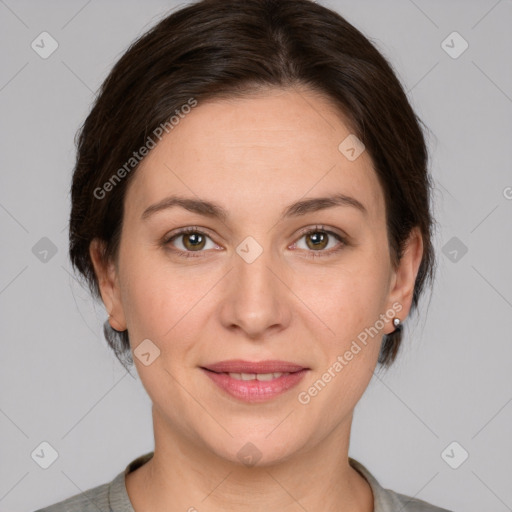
(182, 476)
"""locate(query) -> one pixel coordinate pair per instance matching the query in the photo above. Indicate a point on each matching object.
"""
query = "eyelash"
(310, 254)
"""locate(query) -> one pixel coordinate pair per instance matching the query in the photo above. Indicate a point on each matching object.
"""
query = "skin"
(254, 155)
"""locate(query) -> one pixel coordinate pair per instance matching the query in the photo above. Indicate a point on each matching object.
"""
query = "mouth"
(255, 381)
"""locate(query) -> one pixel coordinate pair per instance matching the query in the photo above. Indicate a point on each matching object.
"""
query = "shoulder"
(410, 504)
(108, 497)
(92, 500)
(387, 500)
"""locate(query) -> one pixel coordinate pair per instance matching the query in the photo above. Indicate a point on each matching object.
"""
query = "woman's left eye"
(317, 240)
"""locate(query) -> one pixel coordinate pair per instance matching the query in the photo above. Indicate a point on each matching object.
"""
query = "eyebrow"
(214, 210)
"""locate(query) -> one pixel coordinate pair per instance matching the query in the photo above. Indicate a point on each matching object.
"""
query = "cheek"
(160, 301)
(347, 297)
(151, 299)
(349, 300)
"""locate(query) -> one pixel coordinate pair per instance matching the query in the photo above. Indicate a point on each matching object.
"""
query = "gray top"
(113, 497)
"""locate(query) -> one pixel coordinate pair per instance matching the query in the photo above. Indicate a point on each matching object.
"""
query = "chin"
(256, 450)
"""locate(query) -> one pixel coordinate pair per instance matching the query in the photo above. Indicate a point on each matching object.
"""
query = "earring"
(398, 325)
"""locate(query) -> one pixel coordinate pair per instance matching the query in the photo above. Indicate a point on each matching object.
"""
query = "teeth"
(257, 376)
(267, 376)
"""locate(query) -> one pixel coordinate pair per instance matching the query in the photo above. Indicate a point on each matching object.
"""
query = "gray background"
(59, 382)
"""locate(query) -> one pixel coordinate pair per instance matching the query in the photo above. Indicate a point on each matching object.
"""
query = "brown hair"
(225, 48)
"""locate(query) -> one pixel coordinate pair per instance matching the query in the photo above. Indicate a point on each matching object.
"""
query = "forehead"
(276, 146)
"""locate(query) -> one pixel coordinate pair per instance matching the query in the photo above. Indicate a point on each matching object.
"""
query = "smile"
(255, 386)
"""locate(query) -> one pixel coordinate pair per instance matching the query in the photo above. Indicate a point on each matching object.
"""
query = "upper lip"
(240, 366)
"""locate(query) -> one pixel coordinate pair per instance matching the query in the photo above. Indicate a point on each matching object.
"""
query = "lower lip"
(255, 390)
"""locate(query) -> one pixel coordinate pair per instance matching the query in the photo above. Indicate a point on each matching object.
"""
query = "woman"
(251, 202)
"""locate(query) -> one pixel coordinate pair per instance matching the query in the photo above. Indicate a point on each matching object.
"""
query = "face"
(309, 285)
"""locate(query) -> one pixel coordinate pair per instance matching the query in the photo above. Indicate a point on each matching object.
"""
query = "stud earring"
(398, 325)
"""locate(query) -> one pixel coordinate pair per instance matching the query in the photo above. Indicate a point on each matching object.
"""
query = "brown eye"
(317, 240)
(189, 240)
(193, 241)
(320, 242)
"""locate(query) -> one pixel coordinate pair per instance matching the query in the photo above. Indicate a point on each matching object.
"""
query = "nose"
(257, 299)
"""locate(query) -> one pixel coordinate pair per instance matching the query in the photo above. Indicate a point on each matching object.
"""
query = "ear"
(404, 277)
(106, 273)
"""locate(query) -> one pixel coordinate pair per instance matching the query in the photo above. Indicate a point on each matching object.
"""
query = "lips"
(255, 381)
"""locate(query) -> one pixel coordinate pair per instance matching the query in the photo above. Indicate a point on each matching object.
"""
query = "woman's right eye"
(191, 240)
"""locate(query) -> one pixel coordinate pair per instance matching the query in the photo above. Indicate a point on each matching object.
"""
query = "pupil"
(318, 238)
(193, 239)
